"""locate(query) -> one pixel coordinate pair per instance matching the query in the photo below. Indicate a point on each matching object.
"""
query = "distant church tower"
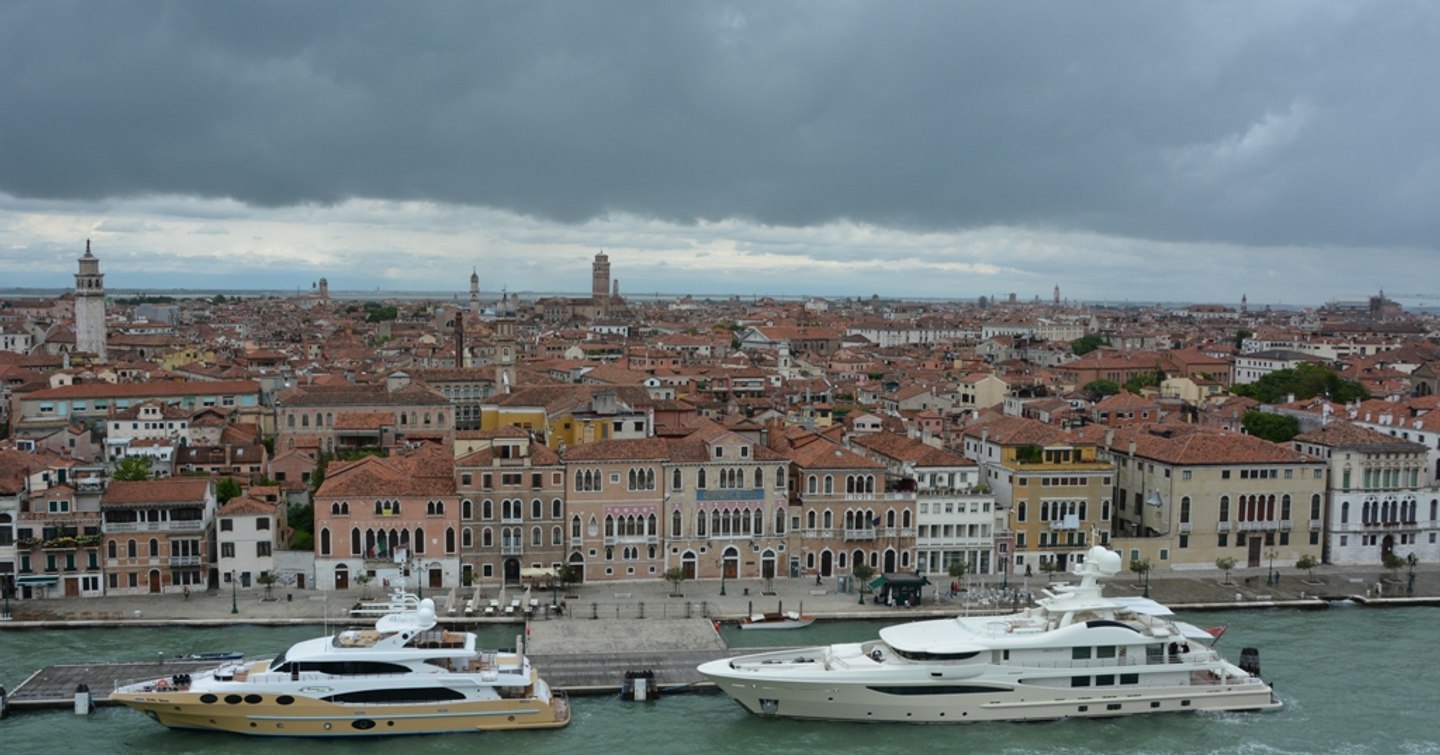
(1244, 304)
(90, 306)
(505, 345)
(474, 293)
(1057, 294)
(324, 290)
(600, 283)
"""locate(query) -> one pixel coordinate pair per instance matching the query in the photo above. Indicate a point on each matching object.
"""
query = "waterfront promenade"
(625, 603)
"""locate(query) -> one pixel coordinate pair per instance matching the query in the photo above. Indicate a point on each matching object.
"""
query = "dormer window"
(744, 452)
(719, 452)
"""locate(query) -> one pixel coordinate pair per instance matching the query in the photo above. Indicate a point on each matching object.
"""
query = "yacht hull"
(973, 700)
(306, 717)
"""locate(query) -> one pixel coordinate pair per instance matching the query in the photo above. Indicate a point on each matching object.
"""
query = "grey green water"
(1354, 680)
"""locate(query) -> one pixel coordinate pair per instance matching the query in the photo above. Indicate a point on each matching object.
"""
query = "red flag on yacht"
(1215, 631)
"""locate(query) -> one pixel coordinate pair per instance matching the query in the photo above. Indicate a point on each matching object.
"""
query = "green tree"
(1392, 563)
(1240, 337)
(301, 518)
(569, 574)
(1140, 566)
(675, 575)
(1049, 566)
(863, 572)
(1225, 564)
(267, 580)
(133, 468)
(226, 489)
(1098, 389)
(1304, 381)
(1140, 382)
(1276, 428)
(1086, 344)
(1308, 563)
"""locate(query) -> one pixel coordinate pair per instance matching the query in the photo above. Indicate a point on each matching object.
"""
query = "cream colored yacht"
(404, 676)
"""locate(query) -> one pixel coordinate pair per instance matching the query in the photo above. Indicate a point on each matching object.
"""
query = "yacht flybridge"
(404, 676)
(1076, 654)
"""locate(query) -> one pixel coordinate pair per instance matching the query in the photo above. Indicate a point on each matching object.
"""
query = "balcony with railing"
(1223, 527)
(186, 561)
(865, 533)
(1185, 528)
(1259, 526)
(1316, 524)
(730, 494)
(192, 525)
(512, 549)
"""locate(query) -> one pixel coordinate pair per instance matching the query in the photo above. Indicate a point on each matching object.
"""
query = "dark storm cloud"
(1254, 123)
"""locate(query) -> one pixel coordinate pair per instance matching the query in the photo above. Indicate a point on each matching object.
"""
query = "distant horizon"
(532, 294)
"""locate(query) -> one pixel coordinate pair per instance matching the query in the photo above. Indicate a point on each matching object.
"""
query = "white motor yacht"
(1077, 654)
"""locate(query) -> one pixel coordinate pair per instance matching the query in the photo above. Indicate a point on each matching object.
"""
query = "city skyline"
(1126, 151)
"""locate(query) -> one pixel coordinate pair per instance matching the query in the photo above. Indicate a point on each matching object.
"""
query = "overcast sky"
(1123, 150)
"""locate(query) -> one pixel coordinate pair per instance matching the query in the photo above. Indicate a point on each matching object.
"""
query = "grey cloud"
(1253, 123)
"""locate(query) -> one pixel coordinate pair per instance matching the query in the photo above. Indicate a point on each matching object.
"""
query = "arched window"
(487, 509)
(467, 538)
(467, 509)
(829, 484)
(304, 420)
(810, 484)
(110, 550)
(325, 541)
(1345, 512)
(779, 477)
(355, 549)
(1185, 510)
(536, 537)
(575, 527)
(1020, 511)
(290, 421)
(700, 524)
(131, 551)
(700, 479)
(487, 538)
(828, 519)
(759, 477)
(810, 519)
(779, 521)
(905, 519)
(537, 509)
(557, 508)
(676, 481)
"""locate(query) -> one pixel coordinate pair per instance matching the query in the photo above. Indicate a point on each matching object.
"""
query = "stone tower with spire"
(474, 293)
(1057, 294)
(600, 283)
(90, 306)
(505, 345)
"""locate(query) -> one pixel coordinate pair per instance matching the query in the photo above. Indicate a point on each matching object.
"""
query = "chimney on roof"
(1110, 437)
(1132, 448)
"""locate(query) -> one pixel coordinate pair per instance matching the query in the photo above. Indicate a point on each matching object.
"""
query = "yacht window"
(938, 689)
(1105, 680)
(1080, 653)
(402, 695)
(1079, 681)
(1129, 678)
(1105, 651)
(923, 656)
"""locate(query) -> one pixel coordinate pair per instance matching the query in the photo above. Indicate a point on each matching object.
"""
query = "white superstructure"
(1076, 654)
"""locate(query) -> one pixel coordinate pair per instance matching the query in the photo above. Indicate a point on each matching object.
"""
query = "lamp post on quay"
(1273, 579)
(234, 607)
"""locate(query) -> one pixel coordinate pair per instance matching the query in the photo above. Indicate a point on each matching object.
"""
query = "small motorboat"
(216, 655)
(777, 620)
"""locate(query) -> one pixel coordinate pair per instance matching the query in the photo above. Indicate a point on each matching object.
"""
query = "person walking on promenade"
(187, 593)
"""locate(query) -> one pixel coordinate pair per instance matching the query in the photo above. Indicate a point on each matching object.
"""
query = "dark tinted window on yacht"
(920, 656)
(1079, 681)
(349, 668)
(939, 689)
(1129, 678)
(409, 695)
(1080, 654)
(1105, 680)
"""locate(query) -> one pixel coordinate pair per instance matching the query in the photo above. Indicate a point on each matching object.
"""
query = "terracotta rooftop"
(171, 490)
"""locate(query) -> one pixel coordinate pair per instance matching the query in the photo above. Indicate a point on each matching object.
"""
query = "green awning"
(38, 580)
(878, 582)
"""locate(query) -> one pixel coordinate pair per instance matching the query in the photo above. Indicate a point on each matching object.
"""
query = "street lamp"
(1273, 579)
(721, 564)
(1411, 560)
(234, 608)
(1147, 578)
